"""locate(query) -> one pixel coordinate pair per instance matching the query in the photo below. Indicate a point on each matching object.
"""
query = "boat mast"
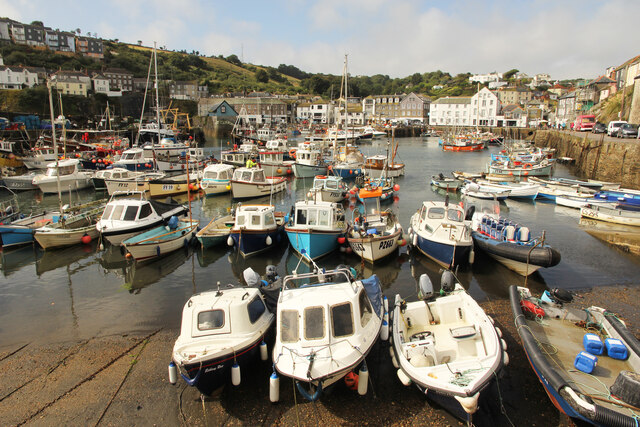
(155, 58)
(144, 101)
(55, 149)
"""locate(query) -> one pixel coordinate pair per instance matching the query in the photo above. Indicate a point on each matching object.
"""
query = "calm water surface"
(80, 292)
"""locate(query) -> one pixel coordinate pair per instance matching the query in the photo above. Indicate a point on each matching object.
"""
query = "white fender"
(274, 388)
(505, 358)
(173, 373)
(499, 332)
(230, 241)
(469, 404)
(264, 355)
(404, 379)
(363, 380)
(504, 344)
(235, 374)
(414, 242)
(269, 241)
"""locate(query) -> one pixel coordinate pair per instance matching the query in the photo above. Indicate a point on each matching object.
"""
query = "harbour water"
(82, 291)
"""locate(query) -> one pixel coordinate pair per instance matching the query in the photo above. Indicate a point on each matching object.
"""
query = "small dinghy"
(447, 345)
(448, 184)
(222, 332)
(586, 358)
(216, 232)
(327, 324)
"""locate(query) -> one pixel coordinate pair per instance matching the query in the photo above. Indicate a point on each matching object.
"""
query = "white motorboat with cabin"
(309, 161)
(251, 182)
(223, 331)
(327, 322)
(67, 173)
(134, 181)
(274, 164)
(216, 179)
(129, 213)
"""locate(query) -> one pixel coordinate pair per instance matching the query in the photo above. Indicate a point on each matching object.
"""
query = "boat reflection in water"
(13, 260)
(141, 275)
(58, 258)
(257, 263)
(211, 255)
(113, 257)
(624, 237)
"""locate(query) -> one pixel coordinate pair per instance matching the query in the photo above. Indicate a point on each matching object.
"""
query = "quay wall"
(596, 156)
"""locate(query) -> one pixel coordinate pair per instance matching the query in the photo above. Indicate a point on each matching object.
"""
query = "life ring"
(527, 166)
(292, 153)
(321, 177)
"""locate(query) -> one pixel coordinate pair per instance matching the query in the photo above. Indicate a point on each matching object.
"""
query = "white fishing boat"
(134, 160)
(374, 234)
(328, 188)
(129, 213)
(447, 345)
(65, 174)
(327, 322)
(216, 179)
(134, 181)
(439, 230)
(309, 161)
(251, 182)
(274, 164)
(99, 179)
(376, 166)
(472, 189)
(21, 182)
(161, 240)
(615, 215)
(39, 158)
(517, 190)
(223, 331)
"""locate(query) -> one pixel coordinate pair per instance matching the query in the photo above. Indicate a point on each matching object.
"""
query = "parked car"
(599, 128)
(613, 126)
(627, 130)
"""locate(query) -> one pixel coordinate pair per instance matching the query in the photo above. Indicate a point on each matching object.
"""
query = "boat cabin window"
(314, 323)
(116, 175)
(255, 220)
(64, 170)
(145, 211)
(107, 212)
(211, 175)
(323, 217)
(269, 219)
(117, 212)
(246, 176)
(240, 220)
(258, 176)
(301, 217)
(342, 320)
(256, 308)
(289, 326)
(436, 213)
(130, 213)
(312, 217)
(212, 319)
(331, 185)
(454, 215)
(366, 310)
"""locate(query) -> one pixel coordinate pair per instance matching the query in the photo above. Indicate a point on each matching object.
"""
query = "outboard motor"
(251, 278)
(470, 212)
(271, 273)
(561, 295)
(426, 287)
(447, 281)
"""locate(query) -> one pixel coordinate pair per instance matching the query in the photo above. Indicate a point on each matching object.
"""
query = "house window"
(223, 109)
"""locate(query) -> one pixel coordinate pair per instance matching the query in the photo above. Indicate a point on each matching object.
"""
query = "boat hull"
(63, 238)
(444, 254)
(51, 186)
(308, 171)
(249, 242)
(216, 372)
(213, 187)
(159, 241)
(372, 249)
(315, 243)
(246, 190)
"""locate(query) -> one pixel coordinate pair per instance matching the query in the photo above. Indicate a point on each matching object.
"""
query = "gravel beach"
(122, 380)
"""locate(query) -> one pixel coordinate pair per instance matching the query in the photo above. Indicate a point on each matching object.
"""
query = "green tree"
(509, 74)
(233, 59)
(262, 76)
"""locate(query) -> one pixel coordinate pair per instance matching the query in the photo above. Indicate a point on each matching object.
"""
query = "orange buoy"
(351, 380)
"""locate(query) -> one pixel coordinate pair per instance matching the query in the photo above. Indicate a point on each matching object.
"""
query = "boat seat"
(462, 332)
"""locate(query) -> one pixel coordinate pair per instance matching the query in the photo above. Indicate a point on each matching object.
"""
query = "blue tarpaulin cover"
(374, 291)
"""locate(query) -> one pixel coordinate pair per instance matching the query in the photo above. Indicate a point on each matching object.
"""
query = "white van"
(614, 125)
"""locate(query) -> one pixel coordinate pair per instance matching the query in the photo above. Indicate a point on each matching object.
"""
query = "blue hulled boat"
(315, 226)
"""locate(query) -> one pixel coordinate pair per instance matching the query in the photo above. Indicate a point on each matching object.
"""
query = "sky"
(564, 38)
